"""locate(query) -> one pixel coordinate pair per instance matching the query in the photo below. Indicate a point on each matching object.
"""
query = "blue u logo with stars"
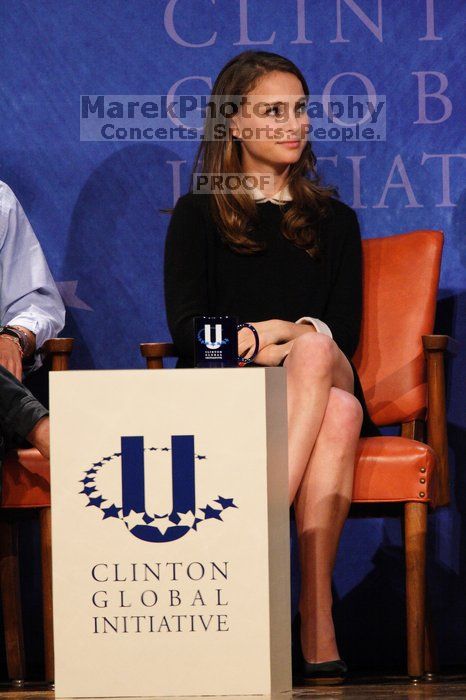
(132, 509)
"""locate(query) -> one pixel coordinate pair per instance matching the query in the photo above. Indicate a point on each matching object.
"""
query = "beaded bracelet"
(15, 341)
(23, 339)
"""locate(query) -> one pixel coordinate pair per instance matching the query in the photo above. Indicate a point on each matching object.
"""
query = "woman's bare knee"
(343, 417)
(313, 354)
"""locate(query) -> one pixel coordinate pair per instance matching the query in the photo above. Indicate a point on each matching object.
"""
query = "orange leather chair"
(401, 370)
(26, 488)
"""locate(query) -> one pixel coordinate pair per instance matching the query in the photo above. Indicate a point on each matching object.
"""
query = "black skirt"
(368, 428)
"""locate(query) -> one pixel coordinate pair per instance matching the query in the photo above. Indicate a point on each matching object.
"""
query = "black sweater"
(203, 276)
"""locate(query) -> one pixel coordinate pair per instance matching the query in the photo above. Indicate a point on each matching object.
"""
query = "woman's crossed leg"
(324, 423)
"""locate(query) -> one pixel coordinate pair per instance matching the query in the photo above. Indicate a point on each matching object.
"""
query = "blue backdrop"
(95, 205)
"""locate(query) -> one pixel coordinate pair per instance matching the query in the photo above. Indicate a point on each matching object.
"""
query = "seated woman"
(287, 259)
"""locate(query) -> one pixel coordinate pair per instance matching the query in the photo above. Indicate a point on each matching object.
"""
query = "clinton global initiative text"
(126, 624)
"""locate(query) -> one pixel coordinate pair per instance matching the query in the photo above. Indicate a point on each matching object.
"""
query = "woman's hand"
(269, 332)
(273, 354)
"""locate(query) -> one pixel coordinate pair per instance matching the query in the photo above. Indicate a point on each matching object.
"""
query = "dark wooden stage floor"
(447, 686)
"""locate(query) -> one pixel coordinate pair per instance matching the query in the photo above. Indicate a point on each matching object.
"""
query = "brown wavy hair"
(236, 214)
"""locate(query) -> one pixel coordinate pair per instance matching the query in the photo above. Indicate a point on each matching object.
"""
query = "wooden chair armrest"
(435, 347)
(58, 351)
(155, 352)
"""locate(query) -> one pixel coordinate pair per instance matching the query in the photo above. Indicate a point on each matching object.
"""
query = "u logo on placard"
(216, 343)
(152, 527)
(205, 336)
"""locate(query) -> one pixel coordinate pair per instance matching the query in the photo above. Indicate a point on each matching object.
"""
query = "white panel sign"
(170, 532)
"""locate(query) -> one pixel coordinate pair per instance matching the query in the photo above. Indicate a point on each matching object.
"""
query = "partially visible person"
(31, 312)
(21, 416)
(31, 308)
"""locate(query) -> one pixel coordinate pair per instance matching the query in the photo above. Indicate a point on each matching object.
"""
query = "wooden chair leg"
(415, 530)
(46, 557)
(11, 601)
